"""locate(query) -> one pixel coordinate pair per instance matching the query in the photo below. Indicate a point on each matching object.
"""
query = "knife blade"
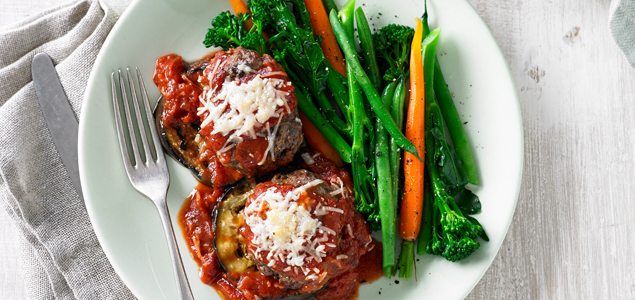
(59, 115)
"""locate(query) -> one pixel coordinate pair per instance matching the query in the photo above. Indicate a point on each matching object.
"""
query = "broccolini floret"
(230, 31)
(392, 43)
(454, 233)
(454, 236)
(292, 42)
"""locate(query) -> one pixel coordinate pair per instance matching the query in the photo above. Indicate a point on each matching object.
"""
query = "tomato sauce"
(196, 220)
(180, 92)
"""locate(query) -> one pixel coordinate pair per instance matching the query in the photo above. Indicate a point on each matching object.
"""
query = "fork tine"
(133, 136)
(120, 131)
(142, 127)
(149, 115)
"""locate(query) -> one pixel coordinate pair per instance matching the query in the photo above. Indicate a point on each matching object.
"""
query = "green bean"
(428, 50)
(398, 101)
(455, 127)
(325, 104)
(425, 234)
(368, 50)
(453, 171)
(346, 14)
(429, 59)
(385, 195)
(312, 112)
(369, 90)
(424, 19)
(397, 110)
(347, 17)
(461, 142)
(362, 180)
(329, 112)
(336, 85)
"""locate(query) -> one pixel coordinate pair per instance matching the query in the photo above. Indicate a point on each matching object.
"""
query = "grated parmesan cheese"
(339, 184)
(243, 67)
(311, 277)
(271, 137)
(334, 209)
(321, 210)
(307, 158)
(287, 230)
(350, 230)
(238, 109)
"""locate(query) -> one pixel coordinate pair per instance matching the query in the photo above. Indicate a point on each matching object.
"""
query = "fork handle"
(185, 293)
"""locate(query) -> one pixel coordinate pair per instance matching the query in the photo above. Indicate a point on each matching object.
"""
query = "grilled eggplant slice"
(181, 143)
(229, 243)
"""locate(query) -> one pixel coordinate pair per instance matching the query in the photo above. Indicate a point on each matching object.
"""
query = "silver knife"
(59, 116)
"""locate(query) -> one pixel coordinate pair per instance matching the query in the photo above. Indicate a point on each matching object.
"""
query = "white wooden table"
(573, 235)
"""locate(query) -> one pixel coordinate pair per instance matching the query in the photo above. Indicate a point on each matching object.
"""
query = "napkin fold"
(63, 259)
(622, 23)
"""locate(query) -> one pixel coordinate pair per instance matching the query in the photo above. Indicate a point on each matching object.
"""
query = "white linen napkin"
(63, 257)
(622, 23)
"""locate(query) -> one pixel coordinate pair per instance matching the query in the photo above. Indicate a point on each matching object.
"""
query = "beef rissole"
(303, 229)
(230, 115)
(297, 234)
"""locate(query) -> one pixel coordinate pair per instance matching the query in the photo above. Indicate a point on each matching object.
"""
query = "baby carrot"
(239, 6)
(412, 201)
(322, 27)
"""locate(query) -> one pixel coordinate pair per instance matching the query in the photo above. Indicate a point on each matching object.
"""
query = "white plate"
(128, 226)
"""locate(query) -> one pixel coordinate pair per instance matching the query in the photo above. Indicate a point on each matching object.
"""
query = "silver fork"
(144, 160)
